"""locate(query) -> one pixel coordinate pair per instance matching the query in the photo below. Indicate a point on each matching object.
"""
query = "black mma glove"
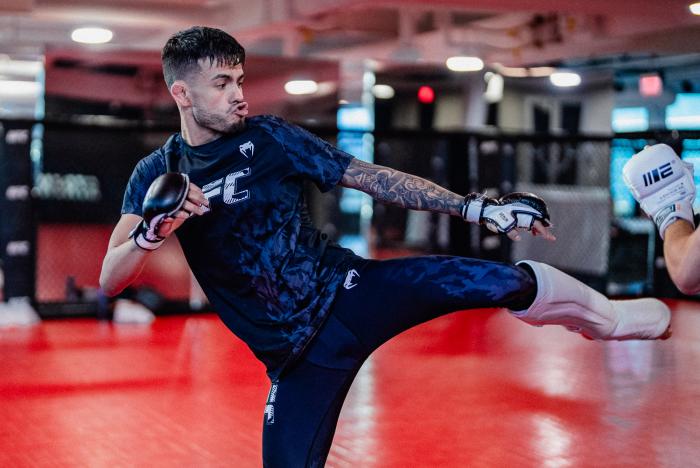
(515, 210)
(164, 198)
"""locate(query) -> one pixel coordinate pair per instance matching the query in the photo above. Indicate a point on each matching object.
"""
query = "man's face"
(216, 93)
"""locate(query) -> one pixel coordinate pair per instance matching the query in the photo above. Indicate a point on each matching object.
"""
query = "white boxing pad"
(563, 300)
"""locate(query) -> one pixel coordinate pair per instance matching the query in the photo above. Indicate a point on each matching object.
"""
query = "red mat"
(477, 389)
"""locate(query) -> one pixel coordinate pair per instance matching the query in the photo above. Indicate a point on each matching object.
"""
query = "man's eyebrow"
(225, 76)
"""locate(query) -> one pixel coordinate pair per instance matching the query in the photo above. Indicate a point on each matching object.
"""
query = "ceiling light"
(565, 79)
(695, 8)
(91, 35)
(463, 63)
(300, 87)
(382, 91)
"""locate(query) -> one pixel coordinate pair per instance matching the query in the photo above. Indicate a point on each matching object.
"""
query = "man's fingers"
(168, 225)
(540, 229)
(196, 196)
(195, 209)
(513, 235)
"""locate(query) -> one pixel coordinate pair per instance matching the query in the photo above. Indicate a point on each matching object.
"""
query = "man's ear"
(181, 93)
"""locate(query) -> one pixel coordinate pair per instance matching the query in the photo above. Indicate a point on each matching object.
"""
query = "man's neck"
(194, 134)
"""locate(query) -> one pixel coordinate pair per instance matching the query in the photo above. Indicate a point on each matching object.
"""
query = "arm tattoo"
(398, 188)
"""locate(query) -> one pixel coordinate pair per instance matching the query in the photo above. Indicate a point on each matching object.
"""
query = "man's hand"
(170, 200)
(195, 205)
(519, 211)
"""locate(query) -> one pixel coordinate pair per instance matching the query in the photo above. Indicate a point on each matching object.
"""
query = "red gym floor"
(477, 389)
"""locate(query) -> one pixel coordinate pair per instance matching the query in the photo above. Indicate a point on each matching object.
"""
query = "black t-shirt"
(263, 269)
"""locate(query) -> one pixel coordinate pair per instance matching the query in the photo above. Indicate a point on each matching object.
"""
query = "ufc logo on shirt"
(228, 187)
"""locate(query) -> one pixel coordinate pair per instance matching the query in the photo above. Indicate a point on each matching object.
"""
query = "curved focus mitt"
(164, 198)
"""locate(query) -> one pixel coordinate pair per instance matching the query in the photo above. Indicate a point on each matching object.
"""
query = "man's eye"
(221, 86)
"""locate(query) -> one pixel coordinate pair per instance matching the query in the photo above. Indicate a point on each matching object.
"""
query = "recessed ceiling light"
(565, 79)
(463, 63)
(695, 8)
(300, 87)
(91, 35)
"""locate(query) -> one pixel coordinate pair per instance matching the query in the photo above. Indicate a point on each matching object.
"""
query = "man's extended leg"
(393, 295)
(563, 300)
(380, 299)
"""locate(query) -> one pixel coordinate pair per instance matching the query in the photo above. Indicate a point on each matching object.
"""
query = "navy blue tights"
(379, 300)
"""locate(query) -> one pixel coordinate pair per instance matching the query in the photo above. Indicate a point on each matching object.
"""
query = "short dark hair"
(185, 49)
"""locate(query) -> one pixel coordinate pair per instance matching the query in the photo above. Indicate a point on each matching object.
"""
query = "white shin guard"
(563, 300)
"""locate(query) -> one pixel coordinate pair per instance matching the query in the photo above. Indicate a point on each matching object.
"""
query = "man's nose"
(237, 94)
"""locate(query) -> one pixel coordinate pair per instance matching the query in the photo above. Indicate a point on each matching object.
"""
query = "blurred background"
(495, 96)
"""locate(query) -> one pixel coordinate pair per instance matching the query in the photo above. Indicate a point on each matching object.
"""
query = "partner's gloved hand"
(662, 184)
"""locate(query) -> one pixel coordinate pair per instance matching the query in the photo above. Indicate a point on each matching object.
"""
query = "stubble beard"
(216, 122)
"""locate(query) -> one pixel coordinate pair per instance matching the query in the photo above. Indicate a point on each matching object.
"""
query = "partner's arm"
(682, 254)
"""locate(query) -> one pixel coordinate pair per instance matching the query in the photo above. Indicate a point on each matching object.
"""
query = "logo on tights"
(352, 274)
(270, 407)
(269, 414)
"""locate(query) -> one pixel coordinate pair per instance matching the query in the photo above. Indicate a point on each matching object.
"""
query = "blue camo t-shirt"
(258, 262)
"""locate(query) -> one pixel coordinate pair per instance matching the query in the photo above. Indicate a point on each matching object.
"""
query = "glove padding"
(517, 210)
(662, 184)
(164, 198)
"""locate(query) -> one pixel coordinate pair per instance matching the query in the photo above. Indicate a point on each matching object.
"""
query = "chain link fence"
(574, 178)
(571, 174)
(80, 172)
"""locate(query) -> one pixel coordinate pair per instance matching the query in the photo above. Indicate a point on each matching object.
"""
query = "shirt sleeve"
(141, 178)
(310, 156)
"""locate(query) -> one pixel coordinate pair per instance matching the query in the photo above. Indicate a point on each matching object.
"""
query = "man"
(665, 189)
(309, 309)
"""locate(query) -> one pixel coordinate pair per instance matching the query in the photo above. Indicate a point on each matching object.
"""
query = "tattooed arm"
(398, 188)
(514, 212)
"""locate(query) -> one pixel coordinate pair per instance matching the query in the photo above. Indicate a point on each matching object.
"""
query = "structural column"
(355, 126)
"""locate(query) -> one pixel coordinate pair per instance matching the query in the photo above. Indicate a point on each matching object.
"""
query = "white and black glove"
(164, 198)
(518, 210)
(662, 184)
